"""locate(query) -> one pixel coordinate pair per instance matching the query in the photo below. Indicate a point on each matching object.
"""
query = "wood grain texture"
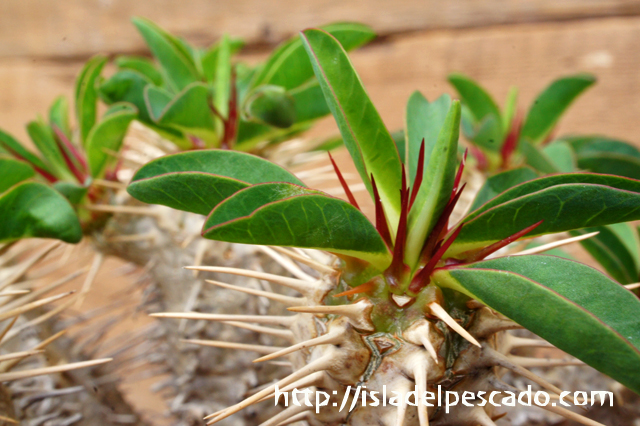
(72, 28)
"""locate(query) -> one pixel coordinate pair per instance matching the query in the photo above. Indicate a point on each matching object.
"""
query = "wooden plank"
(72, 28)
(528, 56)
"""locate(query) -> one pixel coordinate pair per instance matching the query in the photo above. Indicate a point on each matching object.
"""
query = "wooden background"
(43, 44)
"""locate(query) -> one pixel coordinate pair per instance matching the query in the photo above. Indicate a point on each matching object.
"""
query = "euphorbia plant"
(410, 299)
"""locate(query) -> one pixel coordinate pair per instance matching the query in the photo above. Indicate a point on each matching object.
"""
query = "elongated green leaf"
(44, 139)
(189, 112)
(484, 110)
(500, 182)
(127, 86)
(222, 81)
(197, 181)
(71, 191)
(551, 104)
(17, 150)
(562, 156)
(13, 171)
(131, 86)
(436, 187)
(142, 65)
(36, 210)
(209, 58)
(423, 120)
(156, 100)
(366, 137)
(59, 115)
(288, 215)
(249, 199)
(615, 248)
(604, 155)
(175, 59)
(271, 105)
(289, 65)
(309, 102)
(563, 202)
(107, 136)
(537, 158)
(510, 108)
(87, 95)
(569, 304)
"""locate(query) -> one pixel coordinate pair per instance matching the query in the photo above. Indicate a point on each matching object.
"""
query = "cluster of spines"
(353, 323)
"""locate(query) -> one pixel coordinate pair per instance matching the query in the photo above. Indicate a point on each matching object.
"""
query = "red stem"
(381, 220)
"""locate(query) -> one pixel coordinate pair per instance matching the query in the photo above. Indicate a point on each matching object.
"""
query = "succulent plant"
(410, 300)
(71, 190)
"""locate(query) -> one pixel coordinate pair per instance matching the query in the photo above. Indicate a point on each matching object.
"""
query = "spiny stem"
(347, 191)
(398, 269)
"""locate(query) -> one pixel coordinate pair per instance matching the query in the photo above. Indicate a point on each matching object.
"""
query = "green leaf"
(484, 110)
(437, 184)
(600, 154)
(562, 156)
(156, 100)
(566, 303)
(423, 120)
(563, 202)
(13, 171)
(197, 181)
(142, 65)
(222, 82)
(209, 59)
(107, 136)
(189, 112)
(271, 105)
(510, 108)
(500, 182)
(44, 139)
(615, 248)
(366, 137)
(175, 59)
(59, 115)
(309, 104)
(71, 191)
(282, 214)
(551, 104)
(537, 158)
(87, 95)
(127, 86)
(289, 67)
(36, 210)
(17, 150)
